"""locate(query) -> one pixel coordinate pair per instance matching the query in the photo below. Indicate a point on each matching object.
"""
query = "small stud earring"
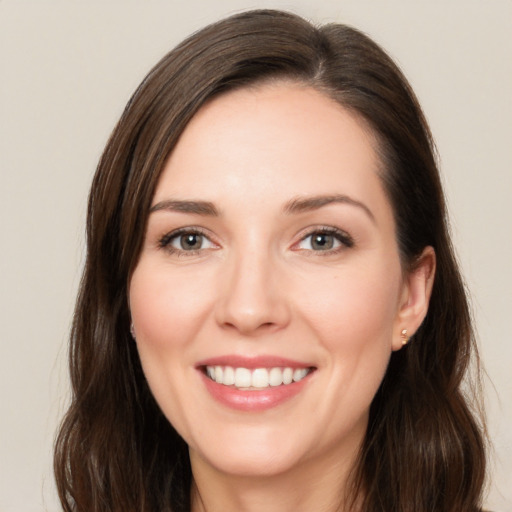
(132, 331)
(405, 338)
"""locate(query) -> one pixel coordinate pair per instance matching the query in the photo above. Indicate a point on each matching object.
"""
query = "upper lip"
(254, 362)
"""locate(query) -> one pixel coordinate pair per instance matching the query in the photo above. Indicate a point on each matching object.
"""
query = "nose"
(253, 300)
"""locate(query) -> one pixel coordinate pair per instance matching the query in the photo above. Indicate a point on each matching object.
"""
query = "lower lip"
(253, 400)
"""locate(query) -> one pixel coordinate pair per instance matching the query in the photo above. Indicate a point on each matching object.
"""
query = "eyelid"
(164, 242)
(344, 238)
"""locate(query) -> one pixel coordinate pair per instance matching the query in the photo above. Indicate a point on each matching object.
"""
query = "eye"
(325, 240)
(186, 241)
(190, 242)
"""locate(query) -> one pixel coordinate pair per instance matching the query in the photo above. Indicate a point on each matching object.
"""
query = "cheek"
(354, 309)
(166, 308)
(166, 314)
(167, 311)
(353, 317)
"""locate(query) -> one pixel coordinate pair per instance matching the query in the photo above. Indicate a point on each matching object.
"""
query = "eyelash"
(345, 240)
(166, 241)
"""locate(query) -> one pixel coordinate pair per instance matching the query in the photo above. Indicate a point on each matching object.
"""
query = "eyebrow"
(296, 205)
(306, 204)
(198, 207)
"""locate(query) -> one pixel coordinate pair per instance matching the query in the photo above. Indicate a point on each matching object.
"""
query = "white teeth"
(258, 378)
(276, 377)
(229, 376)
(219, 372)
(299, 374)
(287, 376)
(243, 378)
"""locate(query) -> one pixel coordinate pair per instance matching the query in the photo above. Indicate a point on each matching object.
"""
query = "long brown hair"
(424, 447)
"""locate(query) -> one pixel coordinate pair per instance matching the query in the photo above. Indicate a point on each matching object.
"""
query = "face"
(269, 293)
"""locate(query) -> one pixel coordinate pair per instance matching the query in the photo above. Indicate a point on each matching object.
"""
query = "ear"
(415, 297)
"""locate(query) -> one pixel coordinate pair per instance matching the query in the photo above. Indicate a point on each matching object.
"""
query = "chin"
(255, 463)
(250, 451)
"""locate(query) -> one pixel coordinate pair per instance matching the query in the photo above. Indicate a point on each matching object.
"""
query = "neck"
(322, 486)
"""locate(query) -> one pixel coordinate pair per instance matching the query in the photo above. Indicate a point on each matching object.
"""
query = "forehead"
(273, 142)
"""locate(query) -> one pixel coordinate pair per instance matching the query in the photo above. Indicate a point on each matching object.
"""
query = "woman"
(263, 321)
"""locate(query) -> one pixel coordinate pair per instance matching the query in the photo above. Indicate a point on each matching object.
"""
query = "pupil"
(322, 241)
(191, 241)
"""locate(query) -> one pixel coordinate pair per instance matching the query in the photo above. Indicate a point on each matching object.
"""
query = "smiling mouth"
(255, 379)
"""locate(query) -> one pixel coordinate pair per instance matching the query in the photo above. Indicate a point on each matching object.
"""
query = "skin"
(256, 285)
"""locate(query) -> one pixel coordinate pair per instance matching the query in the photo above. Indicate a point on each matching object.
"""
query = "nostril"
(251, 309)
(239, 326)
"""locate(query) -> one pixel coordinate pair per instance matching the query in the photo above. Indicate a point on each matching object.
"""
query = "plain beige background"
(67, 68)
